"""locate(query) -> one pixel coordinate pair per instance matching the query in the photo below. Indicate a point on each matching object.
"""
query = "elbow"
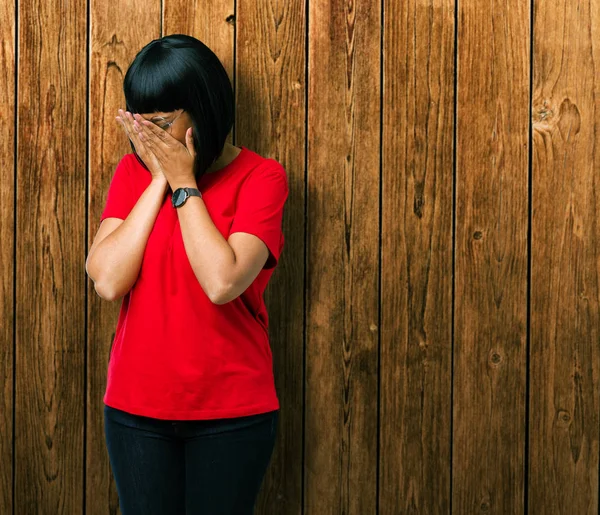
(102, 289)
(105, 287)
(221, 295)
(218, 299)
(106, 292)
(89, 268)
(217, 291)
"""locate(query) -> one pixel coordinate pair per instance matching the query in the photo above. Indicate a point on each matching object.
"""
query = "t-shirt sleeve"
(259, 208)
(119, 199)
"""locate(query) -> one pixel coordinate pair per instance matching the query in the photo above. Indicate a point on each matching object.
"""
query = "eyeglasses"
(164, 124)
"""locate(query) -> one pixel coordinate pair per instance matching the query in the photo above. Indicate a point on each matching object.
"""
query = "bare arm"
(115, 257)
(224, 268)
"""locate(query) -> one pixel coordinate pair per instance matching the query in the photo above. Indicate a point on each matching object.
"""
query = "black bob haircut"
(180, 72)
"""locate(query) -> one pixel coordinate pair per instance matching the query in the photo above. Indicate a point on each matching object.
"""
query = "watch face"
(178, 196)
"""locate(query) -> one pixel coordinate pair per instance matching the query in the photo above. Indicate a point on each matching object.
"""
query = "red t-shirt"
(175, 354)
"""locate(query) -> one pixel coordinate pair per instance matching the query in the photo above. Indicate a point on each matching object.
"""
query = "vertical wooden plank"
(269, 120)
(565, 260)
(491, 257)
(7, 220)
(50, 239)
(270, 87)
(343, 257)
(416, 249)
(115, 40)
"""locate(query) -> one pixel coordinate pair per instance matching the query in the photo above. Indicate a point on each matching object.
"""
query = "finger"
(129, 120)
(130, 137)
(144, 135)
(131, 132)
(123, 125)
(153, 130)
(147, 137)
(151, 139)
(125, 122)
(126, 116)
(137, 146)
(190, 142)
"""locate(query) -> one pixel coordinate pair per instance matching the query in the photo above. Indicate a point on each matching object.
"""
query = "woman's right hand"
(126, 120)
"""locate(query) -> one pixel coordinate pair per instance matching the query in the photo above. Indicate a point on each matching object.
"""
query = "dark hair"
(180, 72)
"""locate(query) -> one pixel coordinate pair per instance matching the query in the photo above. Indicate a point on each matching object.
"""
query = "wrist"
(159, 186)
(189, 182)
(160, 182)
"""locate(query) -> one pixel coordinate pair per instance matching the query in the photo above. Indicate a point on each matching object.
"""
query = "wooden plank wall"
(434, 318)
(565, 258)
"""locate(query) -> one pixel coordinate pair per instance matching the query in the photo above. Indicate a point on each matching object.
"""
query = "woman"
(189, 237)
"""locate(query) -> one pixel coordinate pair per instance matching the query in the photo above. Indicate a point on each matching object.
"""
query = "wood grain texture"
(7, 266)
(400, 353)
(114, 42)
(490, 334)
(270, 119)
(342, 312)
(416, 258)
(565, 259)
(50, 243)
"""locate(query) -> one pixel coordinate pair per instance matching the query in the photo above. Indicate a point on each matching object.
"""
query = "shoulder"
(132, 161)
(268, 179)
(125, 164)
(266, 169)
(127, 160)
(132, 166)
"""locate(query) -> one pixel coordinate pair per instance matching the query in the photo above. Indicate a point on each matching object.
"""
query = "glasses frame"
(158, 120)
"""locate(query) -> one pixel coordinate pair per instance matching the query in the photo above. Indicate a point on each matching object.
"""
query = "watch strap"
(189, 192)
(193, 192)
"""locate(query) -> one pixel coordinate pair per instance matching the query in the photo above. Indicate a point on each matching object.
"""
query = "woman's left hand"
(175, 159)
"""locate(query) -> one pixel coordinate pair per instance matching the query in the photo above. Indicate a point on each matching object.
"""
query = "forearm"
(115, 263)
(209, 254)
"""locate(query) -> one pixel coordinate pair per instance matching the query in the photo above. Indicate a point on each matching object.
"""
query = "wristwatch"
(180, 195)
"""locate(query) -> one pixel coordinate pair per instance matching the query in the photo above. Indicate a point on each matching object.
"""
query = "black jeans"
(188, 467)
